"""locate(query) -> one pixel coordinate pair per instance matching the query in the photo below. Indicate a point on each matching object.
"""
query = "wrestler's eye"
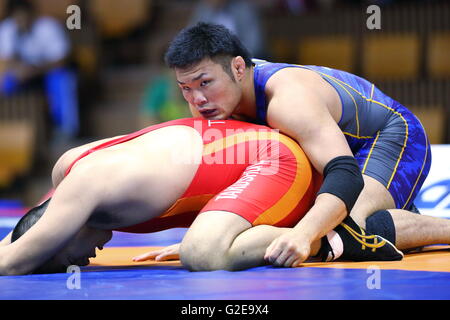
(205, 83)
(185, 88)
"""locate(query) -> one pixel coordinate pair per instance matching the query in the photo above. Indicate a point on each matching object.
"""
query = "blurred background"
(60, 88)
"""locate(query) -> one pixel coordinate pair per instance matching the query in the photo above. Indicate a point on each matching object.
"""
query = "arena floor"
(112, 275)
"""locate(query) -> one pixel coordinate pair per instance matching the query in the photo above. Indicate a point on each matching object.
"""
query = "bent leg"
(373, 197)
(223, 240)
(412, 230)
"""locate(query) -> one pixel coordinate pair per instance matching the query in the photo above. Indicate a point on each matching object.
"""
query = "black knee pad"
(382, 224)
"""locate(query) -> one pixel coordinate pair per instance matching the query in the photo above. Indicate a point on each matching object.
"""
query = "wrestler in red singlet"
(247, 169)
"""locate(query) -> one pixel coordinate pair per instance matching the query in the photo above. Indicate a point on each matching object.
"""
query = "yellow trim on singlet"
(231, 140)
(299, 186)
(404, 142)
(420, 173)
(393, 111)
(196, 203)
(284, 206)
(188, 204)
(370, 153)
(353, 99)
(355, 136)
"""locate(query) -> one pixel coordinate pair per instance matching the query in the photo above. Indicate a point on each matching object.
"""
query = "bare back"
(142, 177)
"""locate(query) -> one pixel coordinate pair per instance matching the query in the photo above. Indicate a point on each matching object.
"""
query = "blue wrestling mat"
(421, 276)
(262, 283)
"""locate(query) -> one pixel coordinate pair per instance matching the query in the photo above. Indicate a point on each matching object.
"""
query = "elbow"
(8, 267)
(343, 179)
(8, 270)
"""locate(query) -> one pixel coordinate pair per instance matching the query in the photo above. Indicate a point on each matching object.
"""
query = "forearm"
(6, 240)
(327, 212)
(249, 247)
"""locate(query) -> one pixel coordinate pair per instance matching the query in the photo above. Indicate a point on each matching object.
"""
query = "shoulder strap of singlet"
(125, 138)
(263, 70)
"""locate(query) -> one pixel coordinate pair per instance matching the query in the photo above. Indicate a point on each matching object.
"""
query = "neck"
(247, 104)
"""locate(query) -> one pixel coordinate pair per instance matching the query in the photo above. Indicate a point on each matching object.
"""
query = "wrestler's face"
(210, 90)
(79, 250)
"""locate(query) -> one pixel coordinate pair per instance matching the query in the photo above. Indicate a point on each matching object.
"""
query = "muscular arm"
(301, 111)
(67, 212)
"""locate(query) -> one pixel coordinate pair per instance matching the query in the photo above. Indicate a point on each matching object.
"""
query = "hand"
(288, 250)
(168, 253)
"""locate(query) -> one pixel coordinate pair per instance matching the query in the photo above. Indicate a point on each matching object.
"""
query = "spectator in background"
(162, 100)
(35, 49)
(239, 16)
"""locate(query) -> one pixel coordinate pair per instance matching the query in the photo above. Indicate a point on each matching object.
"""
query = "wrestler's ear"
(238, 67)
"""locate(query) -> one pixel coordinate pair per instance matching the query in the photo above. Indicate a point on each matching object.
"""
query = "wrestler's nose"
(199, 98)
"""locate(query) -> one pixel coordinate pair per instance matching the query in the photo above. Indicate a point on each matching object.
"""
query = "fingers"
(168, 253)
(147, 256)
(167, 257)
(286, 254)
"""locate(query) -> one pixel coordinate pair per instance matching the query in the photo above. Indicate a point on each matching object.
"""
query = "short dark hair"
(205, 40)
(28, 220)
(24, 224)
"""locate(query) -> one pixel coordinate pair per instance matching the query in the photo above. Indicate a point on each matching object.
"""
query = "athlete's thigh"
(373, 197)
(275, 191)
(394, 164)
(215, 230)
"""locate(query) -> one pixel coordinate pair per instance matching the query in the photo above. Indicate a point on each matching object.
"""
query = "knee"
(382, 224)
(211, 256)
(192, 255)
(204, 256)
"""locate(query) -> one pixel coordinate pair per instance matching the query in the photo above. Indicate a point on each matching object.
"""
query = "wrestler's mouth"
(208, 113)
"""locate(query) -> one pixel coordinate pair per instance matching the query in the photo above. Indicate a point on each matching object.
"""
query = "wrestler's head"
(77, 252)
(210, 65)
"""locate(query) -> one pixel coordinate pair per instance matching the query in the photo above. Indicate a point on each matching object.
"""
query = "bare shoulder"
(295, 94)
(301, 95)
(294, 77)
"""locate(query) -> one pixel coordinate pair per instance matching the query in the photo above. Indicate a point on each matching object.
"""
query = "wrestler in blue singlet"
(387, 140)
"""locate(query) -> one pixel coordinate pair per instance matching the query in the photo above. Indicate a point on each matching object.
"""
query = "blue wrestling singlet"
(387, 140)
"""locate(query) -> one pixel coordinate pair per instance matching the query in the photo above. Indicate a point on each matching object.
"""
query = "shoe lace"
(362, 238)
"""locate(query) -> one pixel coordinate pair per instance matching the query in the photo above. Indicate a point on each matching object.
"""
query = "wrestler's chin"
(215, 115)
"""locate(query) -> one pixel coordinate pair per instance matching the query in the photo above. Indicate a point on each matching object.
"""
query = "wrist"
(306, 233)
